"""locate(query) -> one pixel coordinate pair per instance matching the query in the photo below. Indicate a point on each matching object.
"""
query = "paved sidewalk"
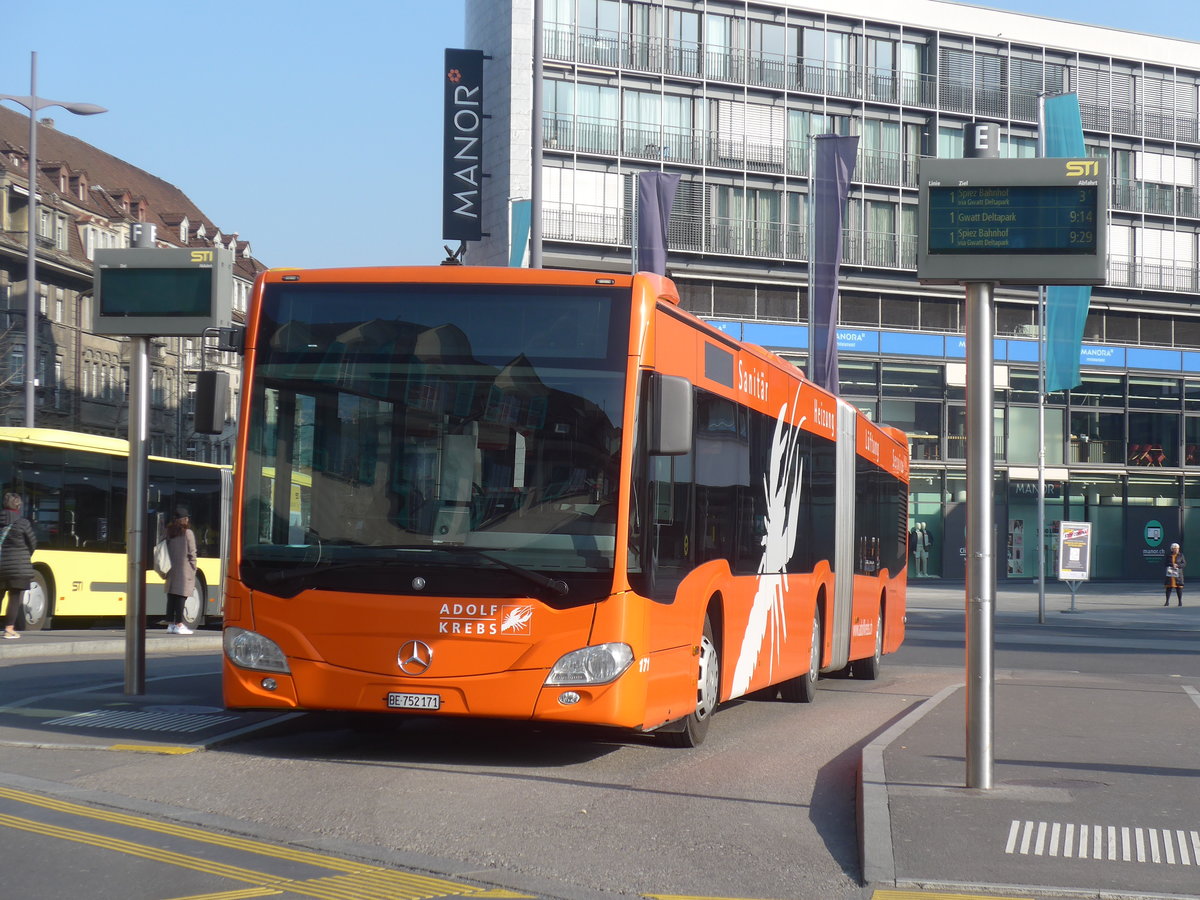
(1096, 779)
(106, 641)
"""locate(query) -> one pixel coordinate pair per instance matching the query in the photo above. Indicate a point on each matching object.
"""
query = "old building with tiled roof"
(90, 200)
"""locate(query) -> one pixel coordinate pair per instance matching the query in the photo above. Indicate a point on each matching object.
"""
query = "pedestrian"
(181, 580)
(16, 567)
(1175, 566)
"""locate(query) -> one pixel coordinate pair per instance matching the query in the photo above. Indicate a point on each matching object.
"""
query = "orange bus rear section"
(490, 656)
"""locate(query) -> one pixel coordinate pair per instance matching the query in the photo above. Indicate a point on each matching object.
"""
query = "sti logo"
(1080, 168)
(1154, 533)
(202, 256)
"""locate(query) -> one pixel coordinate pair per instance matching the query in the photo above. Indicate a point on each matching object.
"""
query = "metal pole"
(137, 486)
(535, 139)
(1041, 491)
(31, 306)
(981, 566)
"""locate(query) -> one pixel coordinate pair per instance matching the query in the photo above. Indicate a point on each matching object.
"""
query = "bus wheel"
(35, 604)
(803, 688)
(193, 605)
(868, 669)
(708, 695)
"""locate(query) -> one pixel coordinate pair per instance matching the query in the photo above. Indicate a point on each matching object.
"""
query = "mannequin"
(921, 546)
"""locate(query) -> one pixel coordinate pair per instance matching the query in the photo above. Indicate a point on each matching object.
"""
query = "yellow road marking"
(156, 854)
(374, 882)
(235, 843)
(149, 748)
(239, 894)
(354, 879)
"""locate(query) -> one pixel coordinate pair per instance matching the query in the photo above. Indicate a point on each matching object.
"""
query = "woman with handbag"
(181, 579)
(16, 569)
(1175, 564)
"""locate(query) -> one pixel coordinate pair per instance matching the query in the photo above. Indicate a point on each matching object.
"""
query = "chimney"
(46, 122)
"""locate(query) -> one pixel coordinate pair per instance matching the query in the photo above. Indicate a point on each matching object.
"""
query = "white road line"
(1108, 843)
(1025, 838)
(1013, 830)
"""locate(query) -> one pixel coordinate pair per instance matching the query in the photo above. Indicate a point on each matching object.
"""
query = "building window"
(16, 364)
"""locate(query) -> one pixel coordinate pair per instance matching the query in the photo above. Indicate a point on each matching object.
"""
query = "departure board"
(1012, 221)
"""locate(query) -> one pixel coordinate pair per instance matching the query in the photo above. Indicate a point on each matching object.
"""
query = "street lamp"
(35, 104)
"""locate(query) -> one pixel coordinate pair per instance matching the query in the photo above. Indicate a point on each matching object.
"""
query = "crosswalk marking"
(1109, 843)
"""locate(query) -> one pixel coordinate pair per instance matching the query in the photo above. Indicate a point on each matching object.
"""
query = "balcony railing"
(700, 147)
(690, 59)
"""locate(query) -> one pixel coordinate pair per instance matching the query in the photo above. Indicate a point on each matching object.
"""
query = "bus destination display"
(1012, 219)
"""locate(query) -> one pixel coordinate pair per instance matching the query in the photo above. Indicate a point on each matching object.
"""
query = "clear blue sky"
(311, 129)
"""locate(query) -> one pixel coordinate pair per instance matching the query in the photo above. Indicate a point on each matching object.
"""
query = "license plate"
(414, 701)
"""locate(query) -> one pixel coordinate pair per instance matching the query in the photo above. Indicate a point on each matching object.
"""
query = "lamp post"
(35, 104)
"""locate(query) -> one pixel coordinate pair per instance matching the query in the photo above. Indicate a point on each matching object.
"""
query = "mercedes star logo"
(414, 658)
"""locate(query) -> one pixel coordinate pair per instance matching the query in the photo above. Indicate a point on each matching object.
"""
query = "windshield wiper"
(283, 576)
(558, 586)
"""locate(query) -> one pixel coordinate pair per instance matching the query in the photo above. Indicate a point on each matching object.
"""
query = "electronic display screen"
(1013, 219)
(157, 292)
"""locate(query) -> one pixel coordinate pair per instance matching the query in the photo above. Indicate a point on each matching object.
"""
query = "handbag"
(1172, 571)
(162, 559)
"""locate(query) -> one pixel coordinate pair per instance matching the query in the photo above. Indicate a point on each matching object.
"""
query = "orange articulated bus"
(549, 496)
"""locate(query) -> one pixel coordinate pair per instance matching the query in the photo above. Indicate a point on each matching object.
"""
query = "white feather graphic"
(767, 616)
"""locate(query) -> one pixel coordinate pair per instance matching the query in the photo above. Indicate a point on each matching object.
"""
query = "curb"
(29, 648)
(874, 814)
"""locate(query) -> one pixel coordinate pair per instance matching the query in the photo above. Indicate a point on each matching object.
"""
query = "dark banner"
(462, 143)
(833, 168)
(656, 196)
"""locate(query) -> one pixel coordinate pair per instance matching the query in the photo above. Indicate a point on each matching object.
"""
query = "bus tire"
(694, 728)
(868, 669)
(193, 605)
(803, 688)
(37, 603)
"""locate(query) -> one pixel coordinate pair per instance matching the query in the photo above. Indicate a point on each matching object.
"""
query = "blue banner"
(1066, 305)
(518, 233)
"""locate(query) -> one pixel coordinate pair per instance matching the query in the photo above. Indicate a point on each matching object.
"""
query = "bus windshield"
(441, 431)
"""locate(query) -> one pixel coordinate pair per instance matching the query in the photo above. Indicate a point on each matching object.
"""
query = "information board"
(1013, 221)
(1074, 551)
(162, 292)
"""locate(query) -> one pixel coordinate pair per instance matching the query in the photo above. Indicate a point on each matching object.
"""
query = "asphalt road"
(764, 809)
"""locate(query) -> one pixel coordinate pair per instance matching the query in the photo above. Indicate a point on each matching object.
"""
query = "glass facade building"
(729, 96)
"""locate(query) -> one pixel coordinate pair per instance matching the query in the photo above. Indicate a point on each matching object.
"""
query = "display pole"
(981, 567)
(137, 485)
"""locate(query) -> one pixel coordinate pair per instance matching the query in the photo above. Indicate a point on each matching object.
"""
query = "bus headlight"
(592, 665)
(251, 650)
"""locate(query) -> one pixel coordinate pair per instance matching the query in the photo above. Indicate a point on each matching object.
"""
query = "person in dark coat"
(1175, 564)
(16, 567)
(181, 580)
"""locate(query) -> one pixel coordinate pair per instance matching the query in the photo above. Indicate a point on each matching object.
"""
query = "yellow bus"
(74, 491)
